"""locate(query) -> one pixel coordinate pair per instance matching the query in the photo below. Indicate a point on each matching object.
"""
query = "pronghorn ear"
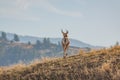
(62, 31)
(67, 31)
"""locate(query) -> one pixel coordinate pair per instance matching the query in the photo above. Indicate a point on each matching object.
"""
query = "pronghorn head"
(65, 33)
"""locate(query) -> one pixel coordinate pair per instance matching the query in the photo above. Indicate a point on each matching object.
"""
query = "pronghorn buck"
(65, 42)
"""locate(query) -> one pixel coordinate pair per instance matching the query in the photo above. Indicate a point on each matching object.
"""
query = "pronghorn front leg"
(65, 54)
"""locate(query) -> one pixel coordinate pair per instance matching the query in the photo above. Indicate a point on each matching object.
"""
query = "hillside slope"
(96, 65)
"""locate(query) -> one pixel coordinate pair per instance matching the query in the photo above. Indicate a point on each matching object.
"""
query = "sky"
(96, 22)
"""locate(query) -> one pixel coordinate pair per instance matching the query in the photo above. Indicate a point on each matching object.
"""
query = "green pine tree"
(3, 36)
(16, 38)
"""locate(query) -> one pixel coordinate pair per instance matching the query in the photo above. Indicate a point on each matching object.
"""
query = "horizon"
(93, 22)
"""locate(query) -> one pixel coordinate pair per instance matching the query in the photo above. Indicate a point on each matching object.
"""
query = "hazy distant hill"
(32, 39)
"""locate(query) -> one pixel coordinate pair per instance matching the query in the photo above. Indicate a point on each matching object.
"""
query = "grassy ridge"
(103, 64)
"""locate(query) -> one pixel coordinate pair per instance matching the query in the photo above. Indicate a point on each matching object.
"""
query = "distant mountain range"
(32, 39)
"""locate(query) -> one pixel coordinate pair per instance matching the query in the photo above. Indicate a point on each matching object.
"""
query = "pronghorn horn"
(62, 31)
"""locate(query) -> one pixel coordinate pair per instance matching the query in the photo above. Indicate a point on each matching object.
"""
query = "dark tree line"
(43, 45)
(46, 44)
(4, 37)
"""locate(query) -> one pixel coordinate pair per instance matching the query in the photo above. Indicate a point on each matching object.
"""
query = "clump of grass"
(101, 64)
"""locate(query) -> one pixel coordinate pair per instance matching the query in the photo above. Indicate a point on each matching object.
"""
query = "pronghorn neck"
(65, 40)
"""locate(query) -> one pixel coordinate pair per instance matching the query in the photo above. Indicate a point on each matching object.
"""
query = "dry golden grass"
(101, 64)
